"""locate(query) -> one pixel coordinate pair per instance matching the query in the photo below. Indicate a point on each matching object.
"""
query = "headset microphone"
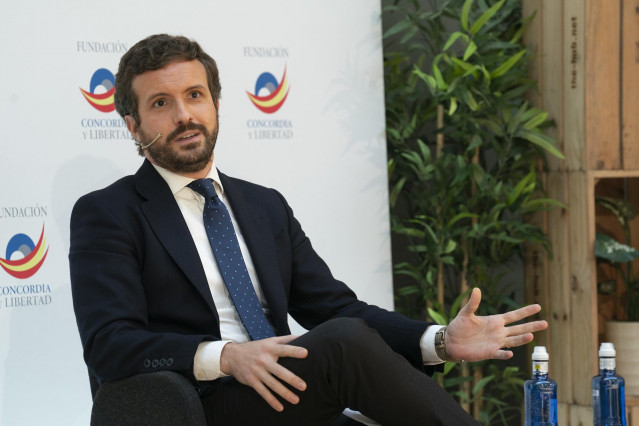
(150, 143)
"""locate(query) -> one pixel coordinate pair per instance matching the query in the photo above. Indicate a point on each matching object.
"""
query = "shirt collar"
(177, 182)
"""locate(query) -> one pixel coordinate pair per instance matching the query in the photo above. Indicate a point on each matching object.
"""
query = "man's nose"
(182, 113)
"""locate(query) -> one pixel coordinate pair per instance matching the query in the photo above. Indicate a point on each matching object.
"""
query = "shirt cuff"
(427, 344)
(206, 364)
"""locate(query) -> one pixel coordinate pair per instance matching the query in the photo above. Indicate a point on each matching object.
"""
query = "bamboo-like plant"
(463, 147)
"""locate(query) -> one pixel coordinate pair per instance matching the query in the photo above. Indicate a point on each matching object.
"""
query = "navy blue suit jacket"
(140, 294)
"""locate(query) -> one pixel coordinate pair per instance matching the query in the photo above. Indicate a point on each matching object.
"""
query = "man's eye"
(195, 95)
(159, 103)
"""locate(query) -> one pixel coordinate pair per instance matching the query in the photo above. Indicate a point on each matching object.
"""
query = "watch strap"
(440, 346)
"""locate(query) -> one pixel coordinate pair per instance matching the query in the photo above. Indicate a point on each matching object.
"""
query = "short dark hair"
(155, 52)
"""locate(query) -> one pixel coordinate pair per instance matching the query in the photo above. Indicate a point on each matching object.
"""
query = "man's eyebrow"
(197, 86)
(188, 89)
(155, 95)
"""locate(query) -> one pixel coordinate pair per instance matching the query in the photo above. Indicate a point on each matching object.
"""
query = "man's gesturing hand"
(255, 364)
(475, 338)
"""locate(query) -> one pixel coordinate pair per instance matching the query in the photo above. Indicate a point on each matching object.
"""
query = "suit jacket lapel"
(259, 239)
(166, 220)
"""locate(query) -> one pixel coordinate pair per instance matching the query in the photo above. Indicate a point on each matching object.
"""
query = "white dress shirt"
(206, 364)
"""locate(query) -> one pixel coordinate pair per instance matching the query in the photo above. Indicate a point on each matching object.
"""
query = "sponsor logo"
(103, 100)
(269, 94)
(25, 295)
(265, 52)
(24, 258)
(87, 46)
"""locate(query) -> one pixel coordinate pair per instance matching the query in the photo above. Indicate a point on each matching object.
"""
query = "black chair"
(162, 398)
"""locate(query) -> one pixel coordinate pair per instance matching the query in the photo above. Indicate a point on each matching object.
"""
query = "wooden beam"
(559, 318)
(630, 84)
(582, 285)
(552, 70)
(574, 18)
(602, 82)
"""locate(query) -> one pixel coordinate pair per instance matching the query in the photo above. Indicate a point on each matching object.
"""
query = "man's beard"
(185, 159)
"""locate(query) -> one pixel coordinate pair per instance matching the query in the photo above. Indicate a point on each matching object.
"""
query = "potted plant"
(618, 256)
(464, 146)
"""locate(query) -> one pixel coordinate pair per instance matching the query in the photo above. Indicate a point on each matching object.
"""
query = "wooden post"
(630, 84)
(440, 146)
(602, 79)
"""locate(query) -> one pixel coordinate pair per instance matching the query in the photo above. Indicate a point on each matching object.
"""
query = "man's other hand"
(255, 364)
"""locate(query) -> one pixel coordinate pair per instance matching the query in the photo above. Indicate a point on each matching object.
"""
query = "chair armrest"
(158, 398)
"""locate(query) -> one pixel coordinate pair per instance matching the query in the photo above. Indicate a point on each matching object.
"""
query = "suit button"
(162, 362)
(155, 363)
(169, 362)
(147, 363)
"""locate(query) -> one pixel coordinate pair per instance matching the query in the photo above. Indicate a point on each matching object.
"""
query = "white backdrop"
(328, 156)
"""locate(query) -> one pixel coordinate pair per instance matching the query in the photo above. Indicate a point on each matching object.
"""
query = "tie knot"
(204, 187)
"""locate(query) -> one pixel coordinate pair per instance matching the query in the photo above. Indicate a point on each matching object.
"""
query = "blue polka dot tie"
(228, 256)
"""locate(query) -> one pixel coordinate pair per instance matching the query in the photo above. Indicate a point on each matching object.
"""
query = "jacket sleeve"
(110, 297)
(316, 296)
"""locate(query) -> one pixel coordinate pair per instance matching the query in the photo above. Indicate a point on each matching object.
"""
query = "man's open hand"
(255, 364)
(475, 338)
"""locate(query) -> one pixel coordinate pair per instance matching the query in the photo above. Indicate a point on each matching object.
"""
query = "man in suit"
(151, 290)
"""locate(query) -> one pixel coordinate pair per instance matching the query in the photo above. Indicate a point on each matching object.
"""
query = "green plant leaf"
(454, 308)
(450, 247)
(453, 38)
(482, 383)
(472, 103)
(464, 14)
(428, 79)
(541, 203)
(468, 68)
(408, 290)
(453, 106)
(454, 381)
(493, 125)
(437, 317)
(412, 232)
(409, 34)
(424, 150)
(441, 84)
(398, 27)
(485, 17)
(542, 141)
(460, 216)
(610, 249)
(535, 121)
(507, 65)
(516, 119)
(623, 210)
(526, 184)
(448, 367)
(472, 48)
(396, 190)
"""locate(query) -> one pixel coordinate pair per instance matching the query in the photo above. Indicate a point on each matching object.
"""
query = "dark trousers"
(348, 365)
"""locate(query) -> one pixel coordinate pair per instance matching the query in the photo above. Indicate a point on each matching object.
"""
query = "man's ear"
(132, 126)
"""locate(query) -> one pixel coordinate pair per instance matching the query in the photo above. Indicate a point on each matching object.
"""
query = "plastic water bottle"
(540, 392)
(608, 391)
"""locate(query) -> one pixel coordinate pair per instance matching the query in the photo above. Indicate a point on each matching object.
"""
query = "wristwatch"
(440, 346)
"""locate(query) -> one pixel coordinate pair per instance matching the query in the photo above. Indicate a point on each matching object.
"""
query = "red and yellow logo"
(273, 95)
(101, 101)
(30, 257)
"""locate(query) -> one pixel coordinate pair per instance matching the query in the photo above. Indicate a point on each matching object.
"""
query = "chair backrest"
(93, 381)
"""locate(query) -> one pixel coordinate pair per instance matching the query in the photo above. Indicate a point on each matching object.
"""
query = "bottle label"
(607, 363)
(540, 367)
